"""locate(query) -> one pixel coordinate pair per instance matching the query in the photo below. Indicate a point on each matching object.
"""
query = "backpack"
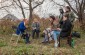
(75, 34)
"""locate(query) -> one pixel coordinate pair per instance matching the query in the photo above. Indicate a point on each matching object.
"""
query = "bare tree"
(38, 3)
(4, 6)
(20, 5)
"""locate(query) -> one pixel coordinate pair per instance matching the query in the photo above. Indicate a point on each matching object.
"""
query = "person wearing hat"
(35, 28)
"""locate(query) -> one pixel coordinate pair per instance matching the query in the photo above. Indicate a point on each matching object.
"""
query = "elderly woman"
(35, 28)
(21, 30)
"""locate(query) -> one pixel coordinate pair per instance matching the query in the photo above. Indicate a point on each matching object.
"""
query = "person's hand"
(33, 28)
(26, 26)
(59, 29)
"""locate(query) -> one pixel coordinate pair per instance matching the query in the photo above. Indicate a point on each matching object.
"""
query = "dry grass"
(37, 48)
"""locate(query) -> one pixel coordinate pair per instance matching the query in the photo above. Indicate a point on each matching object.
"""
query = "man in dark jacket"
(66, 28)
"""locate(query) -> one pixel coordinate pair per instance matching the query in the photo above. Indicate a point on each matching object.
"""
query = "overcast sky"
(43, 11)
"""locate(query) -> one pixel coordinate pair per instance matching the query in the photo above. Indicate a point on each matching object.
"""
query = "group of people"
(59, 27)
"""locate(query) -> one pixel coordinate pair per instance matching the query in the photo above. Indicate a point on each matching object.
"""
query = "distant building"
(10, 17)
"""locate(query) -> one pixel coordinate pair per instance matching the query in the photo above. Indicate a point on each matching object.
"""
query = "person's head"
(67, 9)
(25, 21)
(65, 17)
(35, 20)
(52, 18)
(61, 10)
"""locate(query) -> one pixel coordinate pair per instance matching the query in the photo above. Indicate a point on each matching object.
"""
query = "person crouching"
(66, 28)
(21, 30)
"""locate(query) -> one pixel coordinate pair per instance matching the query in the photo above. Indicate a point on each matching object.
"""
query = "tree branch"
(21, 7)
(71, 7)
(57, 3)
(16, 3)
(76, 5)
(6, 6)
(38, 4)
(26, 2)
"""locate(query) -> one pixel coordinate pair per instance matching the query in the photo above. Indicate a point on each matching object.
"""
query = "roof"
(10, 16)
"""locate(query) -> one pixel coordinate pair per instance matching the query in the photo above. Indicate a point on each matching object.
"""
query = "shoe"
(43, 42)
(28, 42)
(56, 45)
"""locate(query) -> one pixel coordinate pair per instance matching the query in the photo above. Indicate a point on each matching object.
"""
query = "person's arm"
(72, 17)
(33, 26)
(38, 25)
(22, 26)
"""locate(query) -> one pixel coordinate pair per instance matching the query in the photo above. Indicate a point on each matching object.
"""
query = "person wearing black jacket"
(66, 28)
(61, 16)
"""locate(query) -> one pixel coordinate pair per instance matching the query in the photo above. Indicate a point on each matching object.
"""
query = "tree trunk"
(82, 22)
(22, 9)
(31, 11)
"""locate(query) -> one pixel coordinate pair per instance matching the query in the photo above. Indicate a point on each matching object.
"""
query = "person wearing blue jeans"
(55, 36)
(55, 27)
(45, 39)
(47, 35)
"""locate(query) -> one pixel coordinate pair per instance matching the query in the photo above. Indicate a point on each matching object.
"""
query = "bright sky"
(46, 9)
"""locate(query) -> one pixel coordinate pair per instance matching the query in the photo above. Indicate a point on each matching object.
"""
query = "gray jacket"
(71, 16)
(36, 26)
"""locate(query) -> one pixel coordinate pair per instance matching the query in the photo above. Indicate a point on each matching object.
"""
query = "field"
(37, 48)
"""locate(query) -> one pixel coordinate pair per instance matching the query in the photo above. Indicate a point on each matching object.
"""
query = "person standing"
(61, 17)
(70, 14)
(35, 28)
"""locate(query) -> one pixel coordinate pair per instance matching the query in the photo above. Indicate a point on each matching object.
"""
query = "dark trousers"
(37, 33)
(26, 37)
(69, 40)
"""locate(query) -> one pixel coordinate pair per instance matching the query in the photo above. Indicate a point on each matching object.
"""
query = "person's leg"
(37, 33)
(45, 39)
(27, 39)
(69, 40)
(55, 35)
(33, 33)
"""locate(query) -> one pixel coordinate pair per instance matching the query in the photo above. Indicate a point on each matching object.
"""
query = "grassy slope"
(37, 48)
(7, 48)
